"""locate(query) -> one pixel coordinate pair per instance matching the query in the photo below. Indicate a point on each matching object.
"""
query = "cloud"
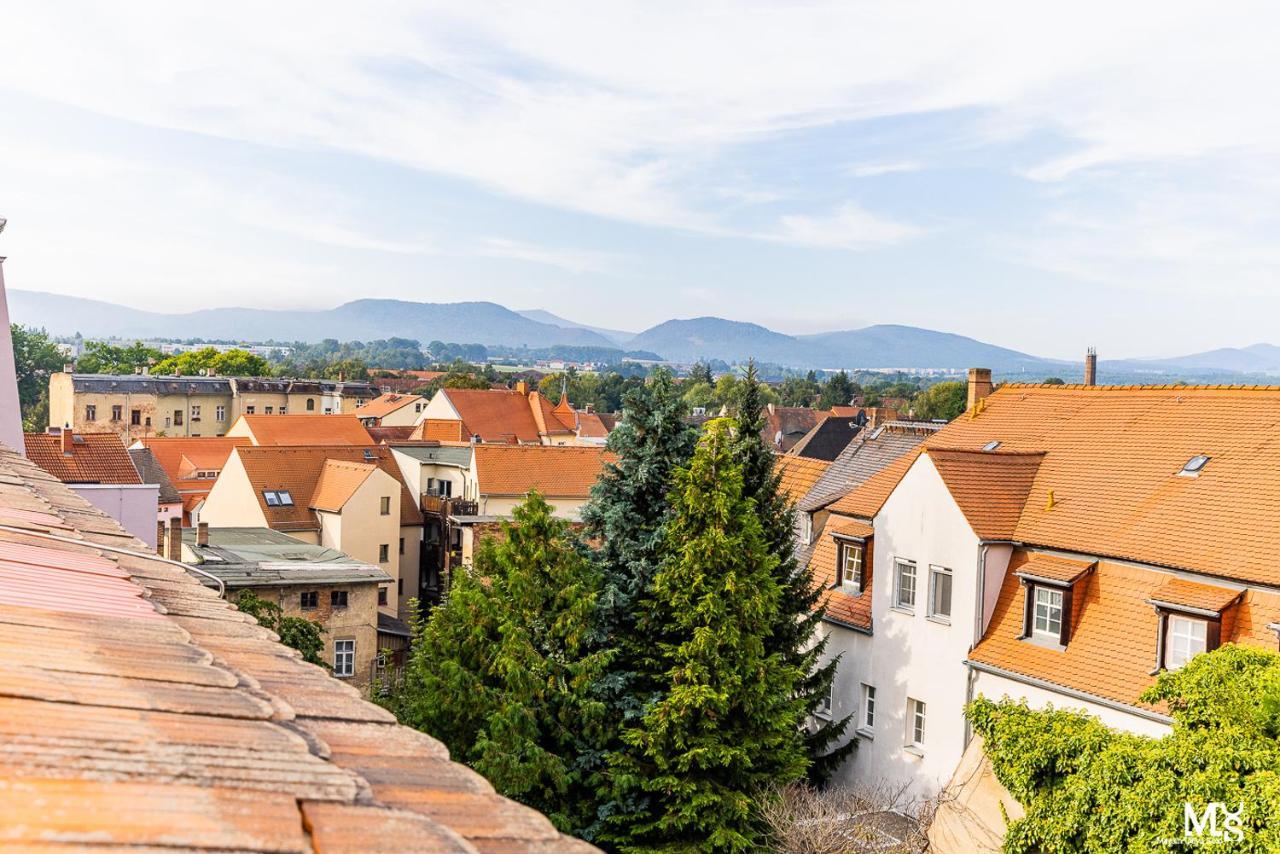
(847, 227)
(573, 260)
(870, 170)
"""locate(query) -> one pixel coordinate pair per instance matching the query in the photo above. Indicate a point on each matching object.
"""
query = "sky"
(1041, 176)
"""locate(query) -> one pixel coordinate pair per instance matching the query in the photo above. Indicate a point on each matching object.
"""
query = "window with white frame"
(915, 723)
(220, 413)
(384, 506)
(344, 658)
(1048, 614)
(195, 412)
(867, 720)
(850, 570)
(940, 593)
(904, 585)
(1187, 638)
(806, 528)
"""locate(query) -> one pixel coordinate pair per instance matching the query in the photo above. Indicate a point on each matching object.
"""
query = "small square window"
(249, 410)
(310, 600)
(384, 506)
(338, 598)
(384, 553)
(272, 498)
(268, 409)
(940, 593)
(868, 719)
(904, 585)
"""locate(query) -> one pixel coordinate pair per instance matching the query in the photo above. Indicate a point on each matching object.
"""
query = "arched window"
(311, 404)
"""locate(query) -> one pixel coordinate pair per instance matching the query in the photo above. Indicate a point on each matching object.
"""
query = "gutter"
(866, 630)
(1053, 687)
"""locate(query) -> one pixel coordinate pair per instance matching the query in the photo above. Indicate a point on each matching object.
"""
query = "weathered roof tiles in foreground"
(137, 709)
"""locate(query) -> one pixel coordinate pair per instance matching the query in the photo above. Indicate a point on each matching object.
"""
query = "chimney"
(1091, 367)
(68, 438)
(979, 386)
(202, 534)
(68, 367)
(174, 540)
(523, 387)
(160, 538)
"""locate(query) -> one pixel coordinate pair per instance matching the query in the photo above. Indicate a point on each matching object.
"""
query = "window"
(915, 723)
(806, 528)
(311, 405)
(168, 421)
(249, 410)
(1048, 614)
(384, 553)
(195, 413)
(940, 593)
(417, 407)
(177, 418)
(338, 598)
(344, 658)
(284, 410)
(278, 498)
(91, 413)
(328, 410)
(850, 569)
(400, 586)
(439, 487)
(1193, 466)
(117, 413)
(272, 499)
(269, 409)
(384, 506)
(310, 600)
(868, 721)
(135, 417)
(220, 413)
(1186, 639)
(824, 707)
(382, 596)
(402, 545)
(904, 585)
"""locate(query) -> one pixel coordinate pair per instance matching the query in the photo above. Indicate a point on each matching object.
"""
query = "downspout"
(971, 677)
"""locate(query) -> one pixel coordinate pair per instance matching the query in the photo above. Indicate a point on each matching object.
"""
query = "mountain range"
(701, 338)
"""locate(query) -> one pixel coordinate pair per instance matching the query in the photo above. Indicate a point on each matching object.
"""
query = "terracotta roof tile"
(869, 452)
(495, 415)
(990, 487)
(842, 607)
(799, 474)
(386, 435)
(855, 528)
(181, 458)
(301, 429)
(94, 458)
(1191, 594)
(1053, 568)
(555, 471)
(385, 404)
(865, 500)
(339, 480)
(150, 471)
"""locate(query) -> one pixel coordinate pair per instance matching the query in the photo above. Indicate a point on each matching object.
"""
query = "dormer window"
(849, 571)
(1187, 638)
(1189, 619)
(1047, 621)
(1049, 583)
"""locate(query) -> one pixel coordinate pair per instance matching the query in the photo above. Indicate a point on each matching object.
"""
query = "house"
(391, 410)
(310, 581)
(143, 711)
(828, 437)
(300, 430)
(98, 468)
(1058, 544)
(137, 406)
(150, 471)
(192, 466)
(344, 497)
(787, 425)
(508, 417)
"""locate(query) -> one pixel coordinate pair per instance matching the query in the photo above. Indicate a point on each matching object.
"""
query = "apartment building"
(192, 466)
(137, 406)
(509, 417)
(1058, 544)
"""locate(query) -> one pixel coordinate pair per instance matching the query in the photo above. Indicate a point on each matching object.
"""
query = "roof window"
(278, 498)
(1194, 466)
(992, 445)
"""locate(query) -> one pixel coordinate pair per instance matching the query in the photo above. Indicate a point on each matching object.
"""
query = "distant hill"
(617, 336)
(1256, 358)
(368, 319)
(730, 340)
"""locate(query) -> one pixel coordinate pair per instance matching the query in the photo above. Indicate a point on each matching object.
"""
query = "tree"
(306, 636)
(1054, 381)
(1089, 788)
(838, 391)
(506, 672)
(799, 614)
(940, 401)
(229, 363)
(721, 726)
(701, 373)
(100, 357)
(800, 391)
(36, 357)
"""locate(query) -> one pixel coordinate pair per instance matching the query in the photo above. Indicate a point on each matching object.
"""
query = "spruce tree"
(796, 633)
(722, 726)
(507, 671)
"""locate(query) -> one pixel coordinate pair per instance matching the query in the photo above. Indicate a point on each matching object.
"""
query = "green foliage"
(604, 392)
(305, 636)
(1088, 788)
(506, 672)
(36, 357)
(228, 363)
(100, 357)
(701, 373)
(799, 613)
(328, 358)
(838, 391)
(941, 401)
(800, 391)
(722, 724)
(1054, 381)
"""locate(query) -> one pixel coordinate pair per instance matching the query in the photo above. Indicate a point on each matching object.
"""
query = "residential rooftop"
(262, 557)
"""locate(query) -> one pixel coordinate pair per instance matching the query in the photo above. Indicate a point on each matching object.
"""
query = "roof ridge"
(1053, 387)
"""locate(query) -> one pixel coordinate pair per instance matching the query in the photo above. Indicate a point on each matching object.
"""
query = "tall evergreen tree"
(837, 391)
(722, 725)
(795, 633)
(507, 671)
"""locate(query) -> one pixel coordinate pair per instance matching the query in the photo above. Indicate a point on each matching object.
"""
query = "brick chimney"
(202, 534)
(979, 386)
(1091, 367)
(68, 440)
(522, 386)
(174, 540)
(160, 538)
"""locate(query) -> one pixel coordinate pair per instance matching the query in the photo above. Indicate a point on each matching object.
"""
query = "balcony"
(443, 506)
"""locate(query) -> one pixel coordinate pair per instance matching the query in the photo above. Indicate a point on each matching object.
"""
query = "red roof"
(181, 458)
(495, 415)
(555, 471)
(90, 458)
(305, 429)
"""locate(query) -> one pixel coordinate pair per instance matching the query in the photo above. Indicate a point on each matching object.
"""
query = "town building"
(98, 468)
(787, 425)
(310, 581)
(137, 406)
(508, 417)
(345, 497)
(192, 466)
(391, 409)
(150, 471)
(281, 430)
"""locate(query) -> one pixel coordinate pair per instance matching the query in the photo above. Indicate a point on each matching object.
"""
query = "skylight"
(1194, 465)
(278, 498)
(286, 499)
(991, 446)
(273, 500)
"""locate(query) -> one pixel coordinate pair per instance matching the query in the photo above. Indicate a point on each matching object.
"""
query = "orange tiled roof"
(94, 458)
(299, 470)
(339, 480)
(799, 474)
(841, 606)
(385, 404)
(592, 426)
(856, 528)
(1191, 594)
(383, 435)
(439, 430)
(181, 458)
(990, 488)
(1054, 568)
(140, 710)
(495, 415)
(866, 500)
(1112, 650)
(306, 430)
(556, 472)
